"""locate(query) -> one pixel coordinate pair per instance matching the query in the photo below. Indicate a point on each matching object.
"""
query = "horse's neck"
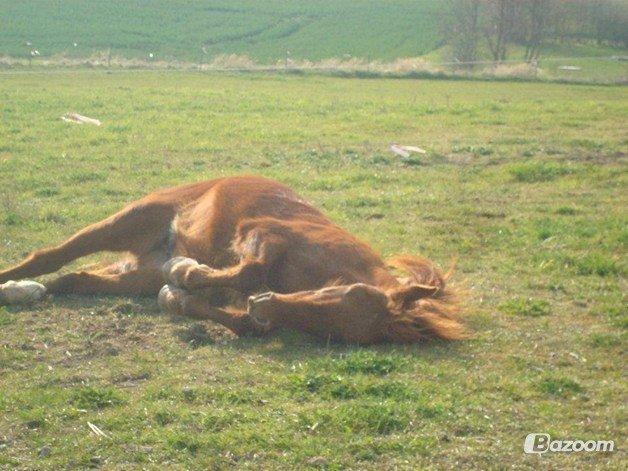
(383, 279)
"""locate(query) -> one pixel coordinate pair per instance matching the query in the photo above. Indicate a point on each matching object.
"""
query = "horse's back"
(206, 227)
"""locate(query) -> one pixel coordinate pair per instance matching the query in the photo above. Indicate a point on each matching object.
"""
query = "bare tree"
(535, 18)
(610, 19)
(500, 19)
(572, 20)
(530, 23)
(461, 29)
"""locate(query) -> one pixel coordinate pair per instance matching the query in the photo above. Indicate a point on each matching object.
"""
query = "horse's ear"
(406, 295)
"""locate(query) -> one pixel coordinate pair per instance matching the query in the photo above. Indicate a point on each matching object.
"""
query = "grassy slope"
(263, 30)
(524, 182)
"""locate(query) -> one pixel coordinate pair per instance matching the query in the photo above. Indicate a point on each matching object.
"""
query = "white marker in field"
(80, 119)
(97, 430)
(405, 151)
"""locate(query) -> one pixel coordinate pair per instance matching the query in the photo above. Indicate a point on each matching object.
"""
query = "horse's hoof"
(175, 269)
(171, 300)
(21, 292)
(258, 308)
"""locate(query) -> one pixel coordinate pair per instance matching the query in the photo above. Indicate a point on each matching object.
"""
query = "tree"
(530, 23)
(535, 19)
(461, 30)
(610, 18)
(499, 22)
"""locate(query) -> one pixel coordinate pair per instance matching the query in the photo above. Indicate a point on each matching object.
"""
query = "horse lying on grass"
(245, 236)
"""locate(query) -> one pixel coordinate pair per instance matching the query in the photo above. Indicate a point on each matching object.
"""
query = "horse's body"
(246, 235)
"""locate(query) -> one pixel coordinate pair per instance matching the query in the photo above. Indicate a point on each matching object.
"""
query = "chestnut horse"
(250, 235)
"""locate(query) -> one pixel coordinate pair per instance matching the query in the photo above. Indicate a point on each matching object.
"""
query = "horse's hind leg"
(135, 282)
(138, 228)
(132, 278)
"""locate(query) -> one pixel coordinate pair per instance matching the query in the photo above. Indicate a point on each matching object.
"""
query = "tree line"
(472, 26)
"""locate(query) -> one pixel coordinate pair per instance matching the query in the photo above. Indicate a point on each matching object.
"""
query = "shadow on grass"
(291, 347)
(282, 345)
(94, 304)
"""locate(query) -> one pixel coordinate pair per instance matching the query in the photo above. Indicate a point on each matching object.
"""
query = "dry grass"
(230, 61)
(402, 67)
(521, 70)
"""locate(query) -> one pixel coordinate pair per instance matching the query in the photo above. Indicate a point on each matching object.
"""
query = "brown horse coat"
(238, 237)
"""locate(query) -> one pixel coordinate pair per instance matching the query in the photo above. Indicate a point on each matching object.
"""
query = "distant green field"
(264, 30)
(267, 32)
(524, 183)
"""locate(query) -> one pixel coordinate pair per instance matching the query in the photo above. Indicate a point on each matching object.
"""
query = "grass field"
(181, 29)
(367, 36)
(524, 183)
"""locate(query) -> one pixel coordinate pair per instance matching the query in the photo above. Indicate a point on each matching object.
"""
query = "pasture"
(197, 30)
(524, 183)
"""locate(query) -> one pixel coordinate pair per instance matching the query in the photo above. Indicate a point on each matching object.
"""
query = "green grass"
(94, 398)
(559, 386)
(539, 172)
(596, 264)
(185, 33)
(262, 30)
(526, 307)
(524, 183)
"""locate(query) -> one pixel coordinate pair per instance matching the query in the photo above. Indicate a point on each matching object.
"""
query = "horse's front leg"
(248, 276)
(179, 302)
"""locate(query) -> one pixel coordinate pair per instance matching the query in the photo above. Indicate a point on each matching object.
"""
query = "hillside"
(200, 29)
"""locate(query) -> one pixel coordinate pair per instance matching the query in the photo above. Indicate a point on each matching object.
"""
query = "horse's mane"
(432, 316)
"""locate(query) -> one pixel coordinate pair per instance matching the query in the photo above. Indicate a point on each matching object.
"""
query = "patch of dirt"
(200, 334)
(491, 214)
(131, 380)
(596, 158)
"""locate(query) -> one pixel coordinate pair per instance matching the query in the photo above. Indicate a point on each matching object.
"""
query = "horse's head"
(361, 313)
(347, 312)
